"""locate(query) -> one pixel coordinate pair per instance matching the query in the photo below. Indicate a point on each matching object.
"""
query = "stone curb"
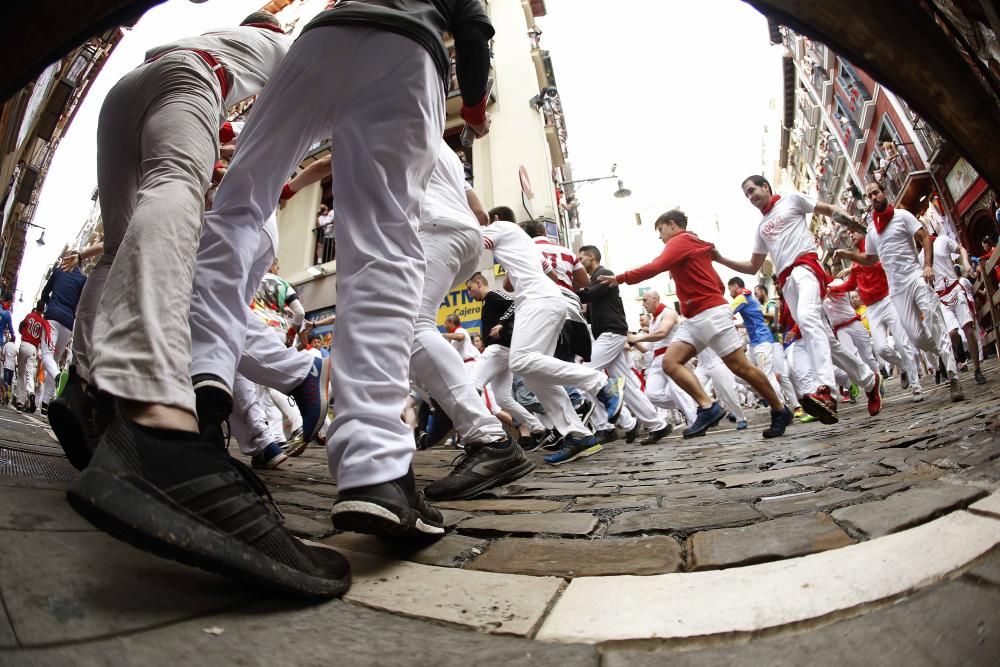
(601, 609)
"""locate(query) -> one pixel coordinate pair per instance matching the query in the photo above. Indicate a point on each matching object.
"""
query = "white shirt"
(838, 307)
(896, 249)
(945, 248)
(654, 325)
(325, 223)
(465, 347)
(515, 252)
(445, 197)
(562, 259)
(784, 231)
(10, 355)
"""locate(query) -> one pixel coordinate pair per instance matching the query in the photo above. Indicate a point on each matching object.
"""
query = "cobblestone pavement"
(71, 595)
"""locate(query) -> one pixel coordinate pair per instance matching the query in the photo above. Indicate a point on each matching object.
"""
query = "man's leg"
(762, 356)
(862, 342)
(50, 355)
(725, 388)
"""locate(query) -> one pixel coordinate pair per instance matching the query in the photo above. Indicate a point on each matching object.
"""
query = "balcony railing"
(894, 168)
(326, 245)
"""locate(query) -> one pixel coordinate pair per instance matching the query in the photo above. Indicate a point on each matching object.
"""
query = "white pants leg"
(493, 368)
(284, 409)
(248, 422)
(725, 388)
(802, 293)
(536, 331)
(383, 108)
(27, 369)
(855, 336)
(762, 356)
(782, 374)
(663, 393)
(608, 354)
(51, 354)
(919, 311)
(452, 251)
(898, 351)
(800, 367)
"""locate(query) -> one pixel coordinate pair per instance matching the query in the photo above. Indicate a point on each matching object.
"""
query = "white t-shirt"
(896, 248)
(654, 325)
(465, 347)
(445, 198)
(562, 259)
(784, 231)
(325, 223)
(838, 307)
(515, 252)
(945, 248)
(10, 355)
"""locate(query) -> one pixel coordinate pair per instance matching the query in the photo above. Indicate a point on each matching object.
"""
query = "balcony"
(895, 170)
(326, 245)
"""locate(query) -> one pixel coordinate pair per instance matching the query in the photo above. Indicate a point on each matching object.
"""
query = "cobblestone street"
(533, 558)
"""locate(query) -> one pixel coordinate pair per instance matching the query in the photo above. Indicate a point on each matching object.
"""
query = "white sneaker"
(918, 394)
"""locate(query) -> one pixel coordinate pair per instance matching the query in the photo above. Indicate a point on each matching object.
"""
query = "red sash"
(838, 327)
(210, 60)
(810, 260)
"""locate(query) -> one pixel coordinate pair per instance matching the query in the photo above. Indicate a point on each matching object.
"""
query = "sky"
(675, 93)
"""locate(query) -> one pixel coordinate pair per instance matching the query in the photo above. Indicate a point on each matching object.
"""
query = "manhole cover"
(19, 463)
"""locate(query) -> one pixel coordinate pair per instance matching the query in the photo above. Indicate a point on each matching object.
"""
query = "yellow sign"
(459, 302)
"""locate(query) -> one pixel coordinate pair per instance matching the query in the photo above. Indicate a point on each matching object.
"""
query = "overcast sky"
(676, 93)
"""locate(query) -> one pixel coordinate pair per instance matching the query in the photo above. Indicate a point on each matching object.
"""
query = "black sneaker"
(706, 418)
(980, 378)
(44, 411)
(175, 496)
(73, 422)
(390, 509)
(659, 434)
(553, 440)
(214, 404)
(483, 466)
(779, 422)
(439, 427)
(632, 433)
(585, 410)
(530, 443)
(904, 380)
(606, 436)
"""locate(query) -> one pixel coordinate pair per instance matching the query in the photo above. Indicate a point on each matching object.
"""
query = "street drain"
(19, 463)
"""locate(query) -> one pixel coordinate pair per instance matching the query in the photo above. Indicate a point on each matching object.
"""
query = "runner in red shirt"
(708, 324)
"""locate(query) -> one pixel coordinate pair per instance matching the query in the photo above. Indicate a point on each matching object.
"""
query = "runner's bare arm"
(840, 216)
(749, 267)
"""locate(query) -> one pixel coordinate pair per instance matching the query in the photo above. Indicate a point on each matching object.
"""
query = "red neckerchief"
(745, 292)
(882, 219)
(770, 204)
(265, 26)
(659, 309)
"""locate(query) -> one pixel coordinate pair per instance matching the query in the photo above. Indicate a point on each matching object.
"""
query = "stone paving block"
(591, 503)
(954, 624)
(559, 493)
(769, 540)
(988, 505)
(530, 524)
(302, 499)
(7, 638)
(905, 509)
(305, 525)
(446, 552)
(581, 558)
(27, 508)
(489, 602)
(682, 517)
(794, 504)
(94, 585)
(452, 517)
(987, 568)
(985, 476)
(502, 505)
(769, 595)
(742, 479)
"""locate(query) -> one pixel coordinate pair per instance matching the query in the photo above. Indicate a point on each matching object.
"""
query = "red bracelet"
(475, 115)
(287, 192)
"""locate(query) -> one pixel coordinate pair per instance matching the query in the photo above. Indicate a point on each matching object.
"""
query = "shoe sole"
(273, 463)
(296, 447)
(818, 411)
(703, 431)
(653, 439)
(362, 516)
(132, 515)
(769, 433)
(71, 434)
(506, 477)
(582, 454)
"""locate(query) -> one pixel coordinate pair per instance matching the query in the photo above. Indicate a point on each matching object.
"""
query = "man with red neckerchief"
(891, 237)
(784, 234)
(709, 323)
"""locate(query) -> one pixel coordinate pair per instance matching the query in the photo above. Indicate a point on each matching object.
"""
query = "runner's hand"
(483, 128)
(607, 280)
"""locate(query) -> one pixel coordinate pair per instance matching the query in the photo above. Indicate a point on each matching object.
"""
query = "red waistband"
(659, 352)
(810, 260)
(838, 327)
(210, 60)
(949, 288)
(469, 359)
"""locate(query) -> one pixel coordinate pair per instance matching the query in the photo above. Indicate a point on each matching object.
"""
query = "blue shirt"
(62, 294)
(6, 324)
(753, 319)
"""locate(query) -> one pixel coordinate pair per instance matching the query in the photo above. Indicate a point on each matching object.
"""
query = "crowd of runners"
(184, 335)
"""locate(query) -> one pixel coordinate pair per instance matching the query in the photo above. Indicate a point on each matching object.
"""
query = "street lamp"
(41, 238)
(621, 193)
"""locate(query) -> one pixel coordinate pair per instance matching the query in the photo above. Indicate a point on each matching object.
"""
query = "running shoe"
(821, 405)
(530, 443)
(655, 436)
(297, 444)
(44, 411)
(269, 458)
(806, 418)
(875, 397)
(706, 418)
(633, 433)
(483, 466)
(854, 392)
(585, 410)
(779, 422)
(312, 397)
(439, 427)
(918, 394)
(575, 448)
(956, 390)
(741, 425)
(980, 378)
(553, 440)
(393, 509)
(73, 422)
(612, 395)
(606, 436)
(176, 496)
(904, 380)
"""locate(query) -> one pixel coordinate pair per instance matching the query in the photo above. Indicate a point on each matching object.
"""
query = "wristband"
(475, 115)
(287, 192)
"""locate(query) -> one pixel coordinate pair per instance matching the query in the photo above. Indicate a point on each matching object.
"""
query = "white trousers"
(27, 370)
(884, 322)
(855, 337)
(955, 308)
(608, 354)
(762, 356)
(248, 423)
(493, 368)
(51, 354)
(919, 311)
(382, 106)
(663, 393)
(719, 377)
(800, 369)
(782, 374)
(801, 292)
(157, 139)
(452, 251)
(536, 332)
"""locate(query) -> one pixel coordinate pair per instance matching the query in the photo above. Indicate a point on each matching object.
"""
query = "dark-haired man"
(759, 337)
(607, 321)
(891, 236)
(708, 324)
(784, 234)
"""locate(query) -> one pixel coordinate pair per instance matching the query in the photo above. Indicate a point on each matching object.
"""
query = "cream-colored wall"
(296, 242)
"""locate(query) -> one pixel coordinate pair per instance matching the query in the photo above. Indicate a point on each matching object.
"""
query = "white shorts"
(955, 306)
(713, 328)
